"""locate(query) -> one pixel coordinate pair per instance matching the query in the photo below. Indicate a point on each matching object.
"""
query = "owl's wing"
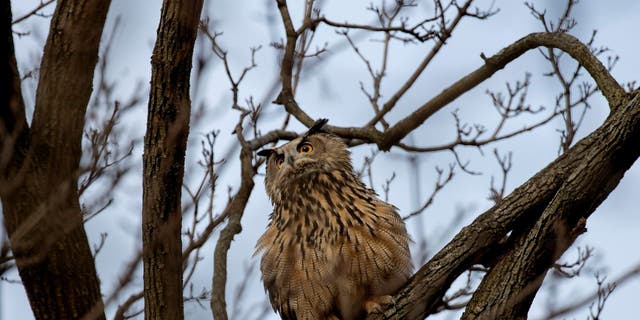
(269, 265)
(300, 281)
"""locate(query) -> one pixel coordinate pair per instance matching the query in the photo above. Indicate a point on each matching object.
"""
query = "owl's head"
(303, 158)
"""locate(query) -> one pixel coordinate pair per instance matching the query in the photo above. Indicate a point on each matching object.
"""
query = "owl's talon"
(375, 304)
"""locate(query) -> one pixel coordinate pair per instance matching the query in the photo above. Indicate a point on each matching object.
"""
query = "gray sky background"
(333, 91)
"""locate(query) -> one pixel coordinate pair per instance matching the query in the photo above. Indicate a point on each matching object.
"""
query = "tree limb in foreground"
(552, 206)
(39, 166)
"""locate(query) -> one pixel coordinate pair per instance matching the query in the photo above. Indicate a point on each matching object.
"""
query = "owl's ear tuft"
(266, 152)
(316, 127)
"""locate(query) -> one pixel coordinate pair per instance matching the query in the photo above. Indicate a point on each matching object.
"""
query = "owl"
(332, 248)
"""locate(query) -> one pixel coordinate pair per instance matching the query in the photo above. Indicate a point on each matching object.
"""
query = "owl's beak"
(290, 160)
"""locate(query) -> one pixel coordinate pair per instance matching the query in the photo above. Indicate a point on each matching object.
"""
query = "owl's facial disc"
(296, 159)
(301, 160)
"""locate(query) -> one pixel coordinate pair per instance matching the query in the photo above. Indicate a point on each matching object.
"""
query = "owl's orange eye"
(305, 148)
(279, 161)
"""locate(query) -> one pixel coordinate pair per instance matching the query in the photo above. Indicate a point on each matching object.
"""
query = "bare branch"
(123, 308)
(234, 210)
(421, 294)
(630, 274)
(125, 278)
(610, 88)
(414, 31)
(445, 34)
(441, 181)
(497, 194)
(570, 270)
(34, 12)
(6, 260)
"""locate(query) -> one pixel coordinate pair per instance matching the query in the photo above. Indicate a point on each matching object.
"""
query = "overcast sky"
(333, 91)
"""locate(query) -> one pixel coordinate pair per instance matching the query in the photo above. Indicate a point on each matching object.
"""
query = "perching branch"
(562, 220)
(560, 195)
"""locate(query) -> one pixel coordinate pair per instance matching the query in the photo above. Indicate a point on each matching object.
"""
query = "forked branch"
(612, 91)
(568, 186)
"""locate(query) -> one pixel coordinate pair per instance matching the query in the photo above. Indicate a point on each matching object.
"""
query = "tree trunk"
(40, 166)
(163, 160)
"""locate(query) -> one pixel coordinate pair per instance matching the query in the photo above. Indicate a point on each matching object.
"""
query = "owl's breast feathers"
(330, 245)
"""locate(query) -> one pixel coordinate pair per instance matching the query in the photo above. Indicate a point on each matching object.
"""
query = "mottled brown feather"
(331, 244)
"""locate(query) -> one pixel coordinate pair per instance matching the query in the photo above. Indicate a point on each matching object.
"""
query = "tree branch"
(422, 294)
(520, 272)
(612, 91)
(234, 210)
(35, 10)
(573, 306)
(445, 35)
(411, 31)
(610, 88)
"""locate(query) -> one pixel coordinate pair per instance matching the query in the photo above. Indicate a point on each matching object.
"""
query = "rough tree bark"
(39, 166)
(163, 160)
(507, 291)
(522, 236)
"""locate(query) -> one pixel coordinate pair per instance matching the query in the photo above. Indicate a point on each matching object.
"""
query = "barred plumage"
(332, 249)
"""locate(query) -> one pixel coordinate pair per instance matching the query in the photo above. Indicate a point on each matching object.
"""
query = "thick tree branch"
(508, 289)
(422, 294)
(270, 137)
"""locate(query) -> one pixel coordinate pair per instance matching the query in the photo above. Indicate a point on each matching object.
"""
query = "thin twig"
(33, 12)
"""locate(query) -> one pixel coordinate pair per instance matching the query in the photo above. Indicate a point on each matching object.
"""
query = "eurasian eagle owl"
(332, 249)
